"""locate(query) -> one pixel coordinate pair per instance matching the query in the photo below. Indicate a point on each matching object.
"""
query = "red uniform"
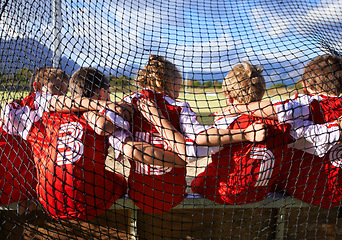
(312, 179)
(244, 172)
(17, 171)
(17, 176)
(157, 189)
(311, 176)
(70, 161)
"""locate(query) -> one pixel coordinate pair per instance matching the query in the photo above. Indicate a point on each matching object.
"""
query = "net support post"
(57, 23)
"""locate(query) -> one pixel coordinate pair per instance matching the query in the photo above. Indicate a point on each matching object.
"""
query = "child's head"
(89, 82)
(49, 80)
(160, 75)
(323, 74)
(244, 83)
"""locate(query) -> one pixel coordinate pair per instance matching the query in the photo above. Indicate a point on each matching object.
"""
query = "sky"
(205, 39)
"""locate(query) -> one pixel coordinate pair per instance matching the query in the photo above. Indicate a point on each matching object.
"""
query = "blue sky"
(199, 36)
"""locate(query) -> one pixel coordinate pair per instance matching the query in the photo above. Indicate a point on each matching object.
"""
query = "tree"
(217, 84)
(208, 84)
(196, 83)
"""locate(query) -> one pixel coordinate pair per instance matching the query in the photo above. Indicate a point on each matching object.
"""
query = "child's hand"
(150, 111)
(255, 132)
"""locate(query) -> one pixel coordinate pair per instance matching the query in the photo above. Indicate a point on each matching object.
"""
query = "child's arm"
(174, 138)
(262, 109)
(256, 132)
(288, 110)
(100, 124)
(79, 103)
(149, 154)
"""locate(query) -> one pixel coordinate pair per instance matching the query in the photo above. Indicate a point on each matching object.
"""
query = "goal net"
(170, 119)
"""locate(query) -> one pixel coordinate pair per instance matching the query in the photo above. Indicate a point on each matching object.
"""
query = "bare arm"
(68, 104)
(79, 103)
(147, 153)
(256, 132)
(262, 109)
(100, 124)
(174, 138)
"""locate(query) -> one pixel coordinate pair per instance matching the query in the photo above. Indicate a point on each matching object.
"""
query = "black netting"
(170, 119)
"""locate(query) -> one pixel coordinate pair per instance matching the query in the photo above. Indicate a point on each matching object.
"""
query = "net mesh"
(61, 178)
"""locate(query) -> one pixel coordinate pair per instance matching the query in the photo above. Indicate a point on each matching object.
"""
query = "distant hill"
(25, 52)
(29, 53)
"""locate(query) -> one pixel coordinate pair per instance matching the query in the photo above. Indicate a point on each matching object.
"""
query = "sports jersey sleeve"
(194, 151)
(117, 140)
(116, 119)
(119, 136)
(224, 122)
(189, 124)
(18, 120)
(293, 108)
(320, 137)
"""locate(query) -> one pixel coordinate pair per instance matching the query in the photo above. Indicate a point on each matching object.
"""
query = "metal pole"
(57, 19)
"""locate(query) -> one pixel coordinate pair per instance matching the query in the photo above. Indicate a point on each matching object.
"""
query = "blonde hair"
(323, 74)
(44, 75)
(158, 74)
(245, 83)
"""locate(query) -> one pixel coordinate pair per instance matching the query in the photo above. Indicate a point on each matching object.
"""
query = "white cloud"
(326, 11)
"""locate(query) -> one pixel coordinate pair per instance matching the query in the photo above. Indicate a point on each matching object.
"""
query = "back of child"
(157, 189)
(244, 172)
(311, 178)
(73, 182)
(17, 180)
(17, 169)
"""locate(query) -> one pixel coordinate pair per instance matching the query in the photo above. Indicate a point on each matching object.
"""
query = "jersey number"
(266, 165)
(69, 143)
(335, 156)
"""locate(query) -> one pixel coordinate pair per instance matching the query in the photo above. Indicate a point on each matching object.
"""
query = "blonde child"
(312, 172)
(157, 189)
(245, 172)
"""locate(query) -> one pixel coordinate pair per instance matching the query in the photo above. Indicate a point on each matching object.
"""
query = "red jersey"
(17, 181)
(157, 189)
(312, 179)
(317, 108)
(70, 161)
(17, 171)
(244, 172)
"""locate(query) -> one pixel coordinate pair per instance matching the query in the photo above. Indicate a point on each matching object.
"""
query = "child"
(17, 169)
(70, 154)
(322, 85)
(312, 176)
(157, 189)
(244, 172)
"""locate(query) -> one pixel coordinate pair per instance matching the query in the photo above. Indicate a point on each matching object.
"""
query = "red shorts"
(235, 188)
(157, 193)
